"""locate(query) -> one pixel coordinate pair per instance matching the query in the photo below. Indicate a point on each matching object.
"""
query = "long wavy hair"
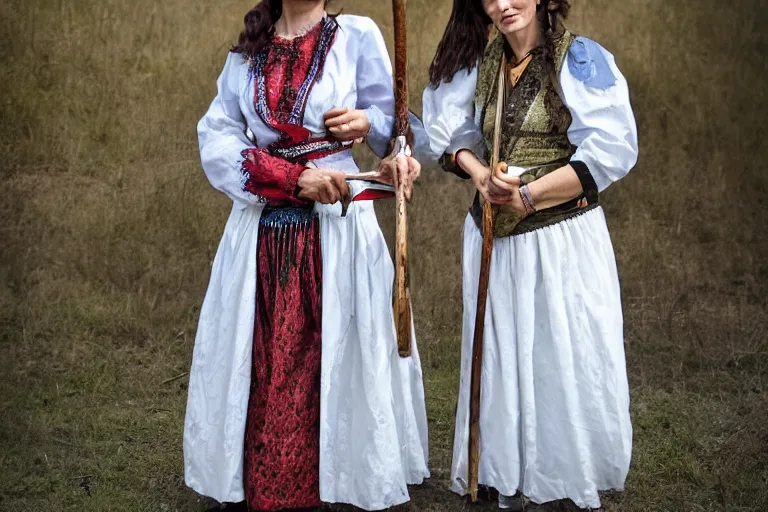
(259, 27)
(467, 33)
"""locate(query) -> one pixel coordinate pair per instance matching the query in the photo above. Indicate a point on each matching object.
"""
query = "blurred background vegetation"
(109, 228)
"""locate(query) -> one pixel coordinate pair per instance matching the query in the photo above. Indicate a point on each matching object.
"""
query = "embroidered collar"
(327, 29)
(281, 39)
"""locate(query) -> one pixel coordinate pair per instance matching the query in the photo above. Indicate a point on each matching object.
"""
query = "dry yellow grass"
(109, 228)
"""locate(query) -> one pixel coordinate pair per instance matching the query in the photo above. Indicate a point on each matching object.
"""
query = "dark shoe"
(486, 493)
(511, 503)
(229, 507)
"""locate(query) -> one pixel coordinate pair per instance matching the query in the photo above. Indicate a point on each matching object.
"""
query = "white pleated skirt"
(554, 408)
(373, 432)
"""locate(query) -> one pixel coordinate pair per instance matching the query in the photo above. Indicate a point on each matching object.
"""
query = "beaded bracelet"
(528, 202)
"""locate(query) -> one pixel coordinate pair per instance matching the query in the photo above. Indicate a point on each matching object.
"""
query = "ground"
(109, 228)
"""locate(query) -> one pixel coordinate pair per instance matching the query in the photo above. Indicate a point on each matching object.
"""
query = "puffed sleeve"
(233, 165)
(449, 117)
(603, 127)
(375, 93)
(222, 139)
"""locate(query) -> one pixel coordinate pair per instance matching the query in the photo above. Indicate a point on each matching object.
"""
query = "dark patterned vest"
(534, 127)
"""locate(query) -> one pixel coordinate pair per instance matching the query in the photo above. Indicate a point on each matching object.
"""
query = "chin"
(511, 28)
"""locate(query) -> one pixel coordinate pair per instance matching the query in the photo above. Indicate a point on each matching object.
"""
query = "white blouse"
(591, 86)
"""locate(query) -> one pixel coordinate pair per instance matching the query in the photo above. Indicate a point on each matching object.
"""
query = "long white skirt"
(554, 407)
(373, 432)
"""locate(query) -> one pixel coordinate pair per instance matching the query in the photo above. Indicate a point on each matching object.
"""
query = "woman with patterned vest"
(297, 394)
(554, 407)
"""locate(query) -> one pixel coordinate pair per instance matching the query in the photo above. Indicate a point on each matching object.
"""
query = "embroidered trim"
(535, 221)
(327, 36)
(272, 178)
(280, 217)
(245, 184)
(311, 150)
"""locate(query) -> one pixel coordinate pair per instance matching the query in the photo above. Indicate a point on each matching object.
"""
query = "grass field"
(109, 228)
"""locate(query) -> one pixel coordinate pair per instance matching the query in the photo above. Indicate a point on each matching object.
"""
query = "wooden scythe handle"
(403, 142)
(489, 217)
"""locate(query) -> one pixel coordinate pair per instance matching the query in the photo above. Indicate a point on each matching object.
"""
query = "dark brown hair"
(467, 32)
(259, 27)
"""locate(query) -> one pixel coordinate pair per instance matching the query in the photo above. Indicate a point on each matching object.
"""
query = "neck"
(523, 41)
(299, 15)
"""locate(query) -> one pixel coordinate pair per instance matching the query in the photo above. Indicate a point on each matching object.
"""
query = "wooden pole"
(403, 143)
(489, 217)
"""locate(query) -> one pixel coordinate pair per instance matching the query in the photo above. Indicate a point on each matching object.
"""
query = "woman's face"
(510, 16)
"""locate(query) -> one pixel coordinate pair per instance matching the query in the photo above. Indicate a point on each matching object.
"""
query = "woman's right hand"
(326, 186)
(489, 190)
(481, 177)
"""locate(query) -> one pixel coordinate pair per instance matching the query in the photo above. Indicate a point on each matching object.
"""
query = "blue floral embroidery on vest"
(588, 64)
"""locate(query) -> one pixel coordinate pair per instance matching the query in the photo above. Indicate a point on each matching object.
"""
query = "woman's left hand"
(511, 184)
(347, 124)
(394, 167)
